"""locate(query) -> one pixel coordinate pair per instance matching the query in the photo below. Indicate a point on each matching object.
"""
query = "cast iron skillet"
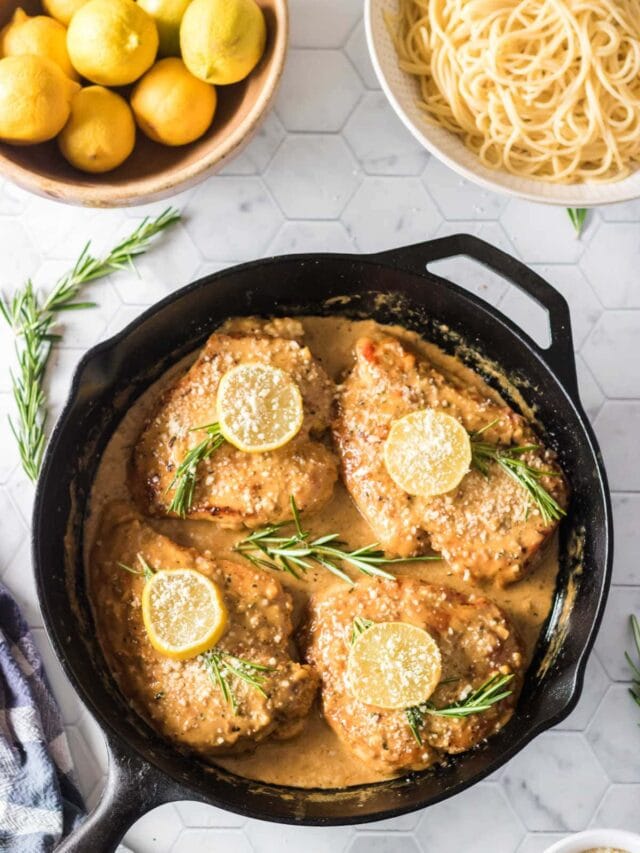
(146, 770)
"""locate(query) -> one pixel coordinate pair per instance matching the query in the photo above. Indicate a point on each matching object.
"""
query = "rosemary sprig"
(222, 666)
(511, 461)
(476, 702)
(577, 215)
(297, 552)
(32, 317)
(145, 569)
(184, 481)
(360, 625)
(634, 690)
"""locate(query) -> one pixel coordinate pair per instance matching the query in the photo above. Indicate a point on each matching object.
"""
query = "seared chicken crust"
(179, 697)
(486, 528)
(233, 487)
(476, 641)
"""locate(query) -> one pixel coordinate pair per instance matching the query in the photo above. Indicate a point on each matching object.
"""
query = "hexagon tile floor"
(333, 169)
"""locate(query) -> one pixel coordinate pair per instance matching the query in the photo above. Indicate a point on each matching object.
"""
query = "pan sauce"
(316, 758)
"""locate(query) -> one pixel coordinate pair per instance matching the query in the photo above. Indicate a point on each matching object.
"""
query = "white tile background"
(333, 169)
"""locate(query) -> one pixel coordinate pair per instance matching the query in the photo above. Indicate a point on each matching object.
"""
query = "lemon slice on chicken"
(183, 611)
(427, 453)
(259, 407)
(394, 665)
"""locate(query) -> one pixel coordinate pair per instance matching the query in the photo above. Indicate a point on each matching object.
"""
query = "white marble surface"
(332, 169)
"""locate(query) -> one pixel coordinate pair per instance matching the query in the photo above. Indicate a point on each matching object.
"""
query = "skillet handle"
(133, 788)
(559, 356)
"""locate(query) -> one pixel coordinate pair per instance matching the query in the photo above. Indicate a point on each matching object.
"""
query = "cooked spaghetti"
(542, 88)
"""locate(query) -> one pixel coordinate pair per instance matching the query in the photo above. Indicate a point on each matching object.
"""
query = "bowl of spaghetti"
(535, 98)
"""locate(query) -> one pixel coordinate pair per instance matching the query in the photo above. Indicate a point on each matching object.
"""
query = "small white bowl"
(618, 839)
(402, 91)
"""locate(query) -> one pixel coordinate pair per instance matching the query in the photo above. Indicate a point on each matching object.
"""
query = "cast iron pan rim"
(378, 259)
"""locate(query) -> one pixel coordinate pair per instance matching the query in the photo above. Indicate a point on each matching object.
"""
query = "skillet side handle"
(133, 787)
(559, 356)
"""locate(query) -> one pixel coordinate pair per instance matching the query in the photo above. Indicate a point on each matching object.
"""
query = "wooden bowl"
(154, 171)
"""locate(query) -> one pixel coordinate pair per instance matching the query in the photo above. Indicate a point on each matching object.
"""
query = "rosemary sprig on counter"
(297, 552)
(511, 461)
(634, 690)
(222, 666)
(476, 702)
(184, 481)
(577, 215)
(32, 318)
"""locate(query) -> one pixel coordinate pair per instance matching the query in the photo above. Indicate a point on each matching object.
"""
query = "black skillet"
(395, 286)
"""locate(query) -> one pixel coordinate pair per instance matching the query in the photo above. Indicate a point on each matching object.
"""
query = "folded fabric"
(39, 802)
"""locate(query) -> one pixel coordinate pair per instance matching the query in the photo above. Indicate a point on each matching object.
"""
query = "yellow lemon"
(259, 407)
(62, 10)
(38, 36)
(167, 14)
(427, 453)
(183, 612)
(394, 665)
(35, 99)
(112, 42)
(222, 40)
(100, 133)
(171, 105)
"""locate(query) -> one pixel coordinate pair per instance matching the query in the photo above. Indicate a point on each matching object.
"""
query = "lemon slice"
(427, 453)
(183, 612)
(394, 665)
(259, 407)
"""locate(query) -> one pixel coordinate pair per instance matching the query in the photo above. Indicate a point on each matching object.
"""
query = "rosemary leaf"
(510, 460)
(31, 319)
(297, 552)
(476, 702)
(634, 690)
(360, 625)
(577, 215)
(223, 666)
(184, 481)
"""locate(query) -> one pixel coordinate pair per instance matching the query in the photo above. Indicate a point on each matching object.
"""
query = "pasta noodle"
(542, 88)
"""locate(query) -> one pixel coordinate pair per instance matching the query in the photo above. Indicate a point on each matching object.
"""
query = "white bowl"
(402, 91)
(616, 838)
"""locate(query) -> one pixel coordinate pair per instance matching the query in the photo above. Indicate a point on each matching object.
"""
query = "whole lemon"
(35, 99)
(62, 10)
(171, 105)
(112, 42)
(167, 14)
(39, 36)
(100, 133)
(222, 40)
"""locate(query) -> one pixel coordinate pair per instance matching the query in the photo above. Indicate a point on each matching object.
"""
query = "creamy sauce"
(316, 758)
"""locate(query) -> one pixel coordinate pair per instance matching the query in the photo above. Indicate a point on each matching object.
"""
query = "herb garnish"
(476, 702)
(635, 668)
(184, 481)
(360, 625)
(577, 215)
(511, 461)
(32, 319)
(296, 553)
(219, 664)
(222, 665)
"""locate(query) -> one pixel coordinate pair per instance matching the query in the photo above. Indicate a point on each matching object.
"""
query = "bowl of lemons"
(115, 102)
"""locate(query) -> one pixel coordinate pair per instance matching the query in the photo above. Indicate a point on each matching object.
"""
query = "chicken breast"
(233, 487)
(487, 528)
(180, 698)
(476, 642)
